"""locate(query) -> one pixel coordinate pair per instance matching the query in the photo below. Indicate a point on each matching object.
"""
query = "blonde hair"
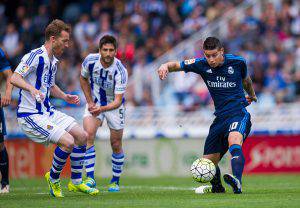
(55, 28)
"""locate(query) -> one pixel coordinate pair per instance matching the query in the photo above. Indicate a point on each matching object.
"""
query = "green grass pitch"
(258, 191)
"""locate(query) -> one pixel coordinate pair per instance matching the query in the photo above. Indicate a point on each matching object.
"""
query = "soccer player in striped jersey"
(35, 76)
(226, 78)
(5, 71)
(103, 80)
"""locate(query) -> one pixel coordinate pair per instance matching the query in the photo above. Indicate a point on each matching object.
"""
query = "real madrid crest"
(230, 70)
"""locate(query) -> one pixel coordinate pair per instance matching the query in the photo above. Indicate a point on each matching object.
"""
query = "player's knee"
(235, 138)
(215, 158)
(67, 143)
(116, 146)
(82, 138)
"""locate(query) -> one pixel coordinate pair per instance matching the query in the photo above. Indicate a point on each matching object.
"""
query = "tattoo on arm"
(247, 85)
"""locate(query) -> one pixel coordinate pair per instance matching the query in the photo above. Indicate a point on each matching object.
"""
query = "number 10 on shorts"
(233, 126)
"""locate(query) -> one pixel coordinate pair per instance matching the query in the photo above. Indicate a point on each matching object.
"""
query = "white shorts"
(46, 128)
(115, 118)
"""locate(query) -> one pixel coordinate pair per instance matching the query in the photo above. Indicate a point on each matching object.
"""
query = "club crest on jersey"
(230, 70)
(24, 69)
(189, 61)
(110, 77)
(209, 71)
(49, 127)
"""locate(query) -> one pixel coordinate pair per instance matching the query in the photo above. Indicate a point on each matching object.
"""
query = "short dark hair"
(55, 28)
(108, 39)
(212, 43)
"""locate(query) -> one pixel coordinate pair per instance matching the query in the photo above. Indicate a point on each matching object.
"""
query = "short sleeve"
(121, 79)
(192, 65)
(28, 64)
(4, 63)
(244, 70)
(84, 68)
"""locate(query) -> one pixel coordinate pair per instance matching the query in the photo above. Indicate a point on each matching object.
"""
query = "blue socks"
(89, 161)
(216, 181)
(117, 166)
(77, 159)
(58, 163)
(237, 161)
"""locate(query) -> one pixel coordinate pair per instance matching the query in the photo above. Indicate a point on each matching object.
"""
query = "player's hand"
(91, 106)
(72, 99)
(96, 111)
(5, 100)
(163, 72)
(38, 95)
(250, 99)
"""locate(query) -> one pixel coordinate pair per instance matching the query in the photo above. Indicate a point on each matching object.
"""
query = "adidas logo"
(209, 71)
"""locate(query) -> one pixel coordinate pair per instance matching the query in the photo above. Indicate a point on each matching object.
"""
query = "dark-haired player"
(226, 78)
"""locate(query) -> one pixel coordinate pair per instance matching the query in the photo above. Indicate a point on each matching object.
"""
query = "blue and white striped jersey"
(38, 70)
(105, 82)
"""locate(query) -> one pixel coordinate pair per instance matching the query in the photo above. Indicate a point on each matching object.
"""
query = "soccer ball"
(203, 170)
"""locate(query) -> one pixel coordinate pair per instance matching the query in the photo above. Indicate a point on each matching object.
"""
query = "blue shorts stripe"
(36, 127)
(244, 123)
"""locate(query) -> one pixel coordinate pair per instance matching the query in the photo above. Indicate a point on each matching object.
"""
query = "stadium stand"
(270, 41)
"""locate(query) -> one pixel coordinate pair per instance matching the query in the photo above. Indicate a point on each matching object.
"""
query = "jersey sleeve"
(84, 68)
(244, 70)
(191, 65)
(27, 65)
(4, 64)
(121, 80)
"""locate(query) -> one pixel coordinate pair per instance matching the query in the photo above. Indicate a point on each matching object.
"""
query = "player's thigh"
(91, 125)
(63, 120)
(79, 134)
(213, 142)
(41, 129)
(215, 157)
(116, 118)
(239, 128)
(66, 142)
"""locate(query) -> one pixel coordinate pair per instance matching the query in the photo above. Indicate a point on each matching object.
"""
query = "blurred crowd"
(147, 29)
(269, 39)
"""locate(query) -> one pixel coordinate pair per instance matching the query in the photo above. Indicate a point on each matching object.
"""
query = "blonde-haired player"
(35, 76)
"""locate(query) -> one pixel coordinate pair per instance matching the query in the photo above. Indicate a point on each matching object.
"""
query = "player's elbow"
(14, 79)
